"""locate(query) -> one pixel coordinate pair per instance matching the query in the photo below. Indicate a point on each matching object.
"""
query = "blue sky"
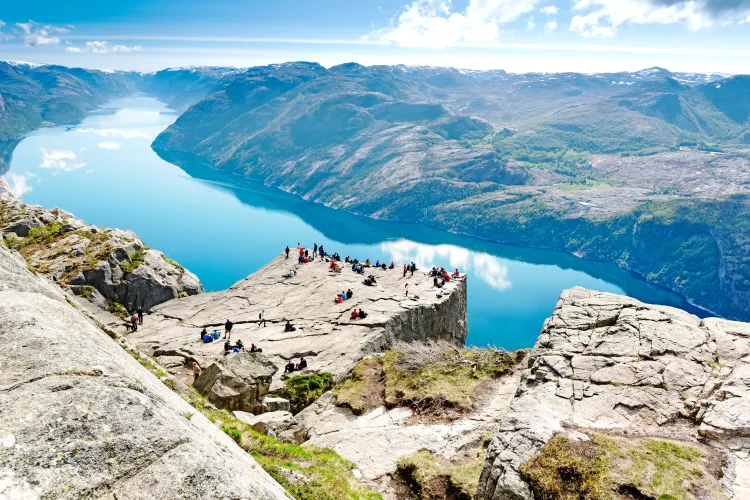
(516, 35)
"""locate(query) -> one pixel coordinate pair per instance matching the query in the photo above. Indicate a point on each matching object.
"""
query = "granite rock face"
(105, 265)
(79, 417)
(237, 381)
(607, 362)
(324, 333)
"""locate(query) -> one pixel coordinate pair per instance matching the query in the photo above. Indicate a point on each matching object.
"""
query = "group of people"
(291, 367)
(410, 267)
(239, 347)
(343, 296)
(134, 319)
(358, 314)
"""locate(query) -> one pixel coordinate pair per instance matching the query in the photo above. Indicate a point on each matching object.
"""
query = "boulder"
(100, 277)
(238, 381)
(272, 404)
(23, 226)
(261, 423)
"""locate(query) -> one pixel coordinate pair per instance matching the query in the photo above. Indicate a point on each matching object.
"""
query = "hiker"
(377, 263)
(203, 333)
(440, 294)
(302, 364)
(368, 282)
(240, 345)
(349, 294)
(456, 274)
(140, 315)
(346, 259)
(288, 327)
(436, 283)
(228, 330)
(372, 278)
(207, 339)
(344, 296)
(315, 250)
(227, 347)
(333, 265)
(262, 318)
(367, 263)
(134, 322)
(392, 266)
(290, 274)
(307, 253)
(286, 251)
(338, 299)
(196, 370)
(407, 289)
(299, 247)
(255, 349)
(289, 368)
(413, 268)
(382, 266)
(404, 270)
(354, 314)
(362, 314)
(301, 259)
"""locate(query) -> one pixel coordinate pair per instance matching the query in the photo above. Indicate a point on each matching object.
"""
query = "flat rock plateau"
(325, 335)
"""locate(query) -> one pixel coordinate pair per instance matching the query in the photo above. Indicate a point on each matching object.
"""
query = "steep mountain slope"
(506, 157)
(181, 87)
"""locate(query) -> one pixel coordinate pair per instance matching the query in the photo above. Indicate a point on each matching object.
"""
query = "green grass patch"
(662, 468)
(438, 374)
(570, 470)
(363, 390)
(302, 390)
(432, 478)
(136, 259)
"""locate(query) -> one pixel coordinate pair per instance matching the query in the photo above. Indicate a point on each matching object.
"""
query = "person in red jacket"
(355, 315)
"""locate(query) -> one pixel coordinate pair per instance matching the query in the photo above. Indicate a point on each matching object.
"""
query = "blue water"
(224, 228)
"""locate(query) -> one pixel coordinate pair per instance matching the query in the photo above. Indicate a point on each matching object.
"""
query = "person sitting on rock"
(216, 335)
(344, 296)
(368, 282)
(382, 266)
(288, 327)
(367, 263)
(203, 333)
(332, 265)
(436, 283)
(302, 364)
(346, 259)
(207, 338)
(349, 294)
(253, 348)
(392, 266)
(301, 259)
(362, 314)
(338, 299)
(240, 345)
(377, 263)
(227, 347)
(440, 294)
(289, 368)
(456, 274)
(372, 278)
(354, 314)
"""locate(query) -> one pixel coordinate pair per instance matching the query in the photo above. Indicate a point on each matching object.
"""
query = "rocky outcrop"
(238, 381)
(110, 267)
(324, 333)
(609, 363)
(79, 417)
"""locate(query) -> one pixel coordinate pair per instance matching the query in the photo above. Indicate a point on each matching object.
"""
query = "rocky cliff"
(324, 333)
(608, 375)
(79, 417)
(112, 268)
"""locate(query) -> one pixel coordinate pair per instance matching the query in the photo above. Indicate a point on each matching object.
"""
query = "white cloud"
(110, 145)
(115, 132)
(604, 17)
(97, 47)
(550, 10)
(40, 35)
(60, 159)
(433, 23)
(530, 25)
(550, 26)
(19, 184)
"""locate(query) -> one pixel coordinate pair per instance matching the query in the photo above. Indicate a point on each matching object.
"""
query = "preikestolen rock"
(237, 381)
(276, 404)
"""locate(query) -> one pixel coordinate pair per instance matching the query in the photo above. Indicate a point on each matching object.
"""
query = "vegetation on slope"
(612, 467)
(431, 478)
(428, 377)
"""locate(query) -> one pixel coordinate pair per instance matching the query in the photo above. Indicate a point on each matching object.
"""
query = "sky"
(516, 35)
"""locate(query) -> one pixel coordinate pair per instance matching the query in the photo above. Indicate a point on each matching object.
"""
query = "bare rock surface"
(325, 335)
(79, 417)
(609, 363)
(390, 434)
(104, 265)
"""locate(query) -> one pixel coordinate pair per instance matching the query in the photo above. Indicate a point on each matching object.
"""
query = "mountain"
(598, 165)
(181, 87)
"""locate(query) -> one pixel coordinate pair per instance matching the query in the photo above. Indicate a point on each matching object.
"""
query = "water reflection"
(488, 268)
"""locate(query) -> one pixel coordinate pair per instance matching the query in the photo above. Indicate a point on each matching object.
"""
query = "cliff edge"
(325, 335)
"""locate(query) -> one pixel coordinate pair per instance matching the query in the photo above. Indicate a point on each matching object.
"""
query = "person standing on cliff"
(406, 287)
(262, 318)
(140, 314)
(286, 251)
(228, 330)
(315, 250)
